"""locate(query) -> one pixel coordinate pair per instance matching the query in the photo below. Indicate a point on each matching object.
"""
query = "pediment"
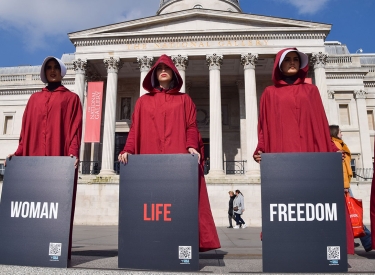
(200, 21)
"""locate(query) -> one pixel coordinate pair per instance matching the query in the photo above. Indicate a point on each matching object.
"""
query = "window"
(2, 169)
(370, 118)
(344, 114)
(352, 164)
(8, 125)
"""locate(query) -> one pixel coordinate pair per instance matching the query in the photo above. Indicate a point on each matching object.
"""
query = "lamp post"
(359, 50)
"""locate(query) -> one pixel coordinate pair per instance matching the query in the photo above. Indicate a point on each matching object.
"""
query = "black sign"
(158, 224)
(303, 213)
(35, 211)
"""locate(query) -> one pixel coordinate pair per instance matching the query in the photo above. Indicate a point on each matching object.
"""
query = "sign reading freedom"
(35, 211)
(158, 223)
(303, 213)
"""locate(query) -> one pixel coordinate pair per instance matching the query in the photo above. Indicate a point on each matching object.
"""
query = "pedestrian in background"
(239, 208)
(336, 137)
(231, 215)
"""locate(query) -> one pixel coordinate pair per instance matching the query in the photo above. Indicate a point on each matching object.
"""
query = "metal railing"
(94, 167)
(234, 167)
(361, 174)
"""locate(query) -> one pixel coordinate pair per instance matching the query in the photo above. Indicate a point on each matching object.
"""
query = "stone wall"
(97, 204)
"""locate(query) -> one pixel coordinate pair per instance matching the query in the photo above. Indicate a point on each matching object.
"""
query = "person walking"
(231, 214)
(239, 208)
(336, 136)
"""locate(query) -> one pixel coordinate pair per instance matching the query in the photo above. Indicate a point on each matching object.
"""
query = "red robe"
(292, 119)
(164, 122)
(52, 126)
(372, 211)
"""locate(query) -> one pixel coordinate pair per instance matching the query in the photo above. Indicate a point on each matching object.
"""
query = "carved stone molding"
(331, 94)
(345, 75)
(319, 60)
(248, 61)
(80, 66)
(145, 63)
(196, 38)
(370, 84)
(180, 61)
(19, 92)
(360, 94)
(214, 61)
(113, 65)
(240, 84)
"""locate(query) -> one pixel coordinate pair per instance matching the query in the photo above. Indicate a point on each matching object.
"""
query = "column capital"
(180, 61)
(145, 63)
(249, 60)
(360, 94)
(319, 60)
(113, 64)
(80, 66)
(331, 94)
(214, 61)
(91, 73)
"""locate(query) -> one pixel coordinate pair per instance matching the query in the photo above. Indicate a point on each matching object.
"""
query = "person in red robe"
(52, 122)
(164, 122)
(292, 117)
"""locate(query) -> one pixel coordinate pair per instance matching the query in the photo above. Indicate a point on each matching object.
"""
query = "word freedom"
(301, 212)
(34, 210)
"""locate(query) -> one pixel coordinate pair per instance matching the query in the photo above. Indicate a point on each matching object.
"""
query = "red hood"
(147, 82)
(277, 74)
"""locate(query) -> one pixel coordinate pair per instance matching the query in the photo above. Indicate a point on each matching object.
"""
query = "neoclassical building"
(225, 57)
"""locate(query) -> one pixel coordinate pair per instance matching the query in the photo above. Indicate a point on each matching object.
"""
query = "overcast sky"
(33, 29)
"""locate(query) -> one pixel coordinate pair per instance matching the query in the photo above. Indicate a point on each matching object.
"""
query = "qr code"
(184, 252)
(55, 249)
(333, 253)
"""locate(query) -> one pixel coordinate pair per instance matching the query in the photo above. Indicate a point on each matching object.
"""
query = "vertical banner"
(94, 111)
(35, 211)
(303, 213)
(158, 217)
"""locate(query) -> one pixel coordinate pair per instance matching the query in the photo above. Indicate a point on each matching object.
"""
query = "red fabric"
(292, 119)
(349, 232)
(51, 124)
(372, 211)
(164, 122)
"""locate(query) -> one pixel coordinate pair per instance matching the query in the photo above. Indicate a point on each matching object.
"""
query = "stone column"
(319, 61)
(80, 67)
(113, 65)
(214, 63)
(181, 63)
(145, 64)
(248, 61)
(241, 95)
(364, 132)
(333, 117)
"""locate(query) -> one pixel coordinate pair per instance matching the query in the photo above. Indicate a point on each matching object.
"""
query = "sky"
(32, 30)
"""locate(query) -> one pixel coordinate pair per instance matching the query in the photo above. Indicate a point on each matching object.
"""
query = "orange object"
(356, 215)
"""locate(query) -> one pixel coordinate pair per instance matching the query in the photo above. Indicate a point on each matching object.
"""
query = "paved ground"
(95, 252)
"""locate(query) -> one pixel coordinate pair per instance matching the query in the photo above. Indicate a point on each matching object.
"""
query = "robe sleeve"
(76, 122)
(19, 151)
(191, 124)
(130, 141)
(262, 117)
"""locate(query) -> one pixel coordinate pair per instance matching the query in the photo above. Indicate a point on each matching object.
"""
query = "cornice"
(345, 75)
(197, 37)
(19, 92)
(369, 84)
(312, 26)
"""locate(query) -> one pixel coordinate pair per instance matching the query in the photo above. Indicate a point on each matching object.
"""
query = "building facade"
(226, 58)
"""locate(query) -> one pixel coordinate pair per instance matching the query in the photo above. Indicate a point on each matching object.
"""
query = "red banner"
(94, 111)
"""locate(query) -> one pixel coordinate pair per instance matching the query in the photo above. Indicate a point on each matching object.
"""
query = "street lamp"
(359, 50)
